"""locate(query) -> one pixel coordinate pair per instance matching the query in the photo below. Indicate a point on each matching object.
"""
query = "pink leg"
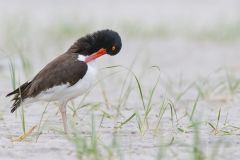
(62, 109)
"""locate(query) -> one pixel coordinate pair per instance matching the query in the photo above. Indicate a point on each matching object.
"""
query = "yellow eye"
(113, 48)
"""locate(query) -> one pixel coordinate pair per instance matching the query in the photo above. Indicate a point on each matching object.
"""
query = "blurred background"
(192, 35)
(195, 44)
(189, 39)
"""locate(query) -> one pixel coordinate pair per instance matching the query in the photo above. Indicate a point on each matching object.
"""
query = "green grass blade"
(12, 74)
(126, 121)
(194, 108)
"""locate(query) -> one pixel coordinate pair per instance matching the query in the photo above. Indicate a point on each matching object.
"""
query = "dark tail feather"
(13, 109)
(18, 96)
(15, 106)
(21, 88)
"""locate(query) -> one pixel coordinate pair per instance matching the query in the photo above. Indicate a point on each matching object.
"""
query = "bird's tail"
(18, 96)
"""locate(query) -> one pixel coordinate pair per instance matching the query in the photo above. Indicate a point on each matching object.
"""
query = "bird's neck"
(83, 58)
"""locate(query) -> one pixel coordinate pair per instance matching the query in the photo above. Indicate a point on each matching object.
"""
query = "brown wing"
(64, 69)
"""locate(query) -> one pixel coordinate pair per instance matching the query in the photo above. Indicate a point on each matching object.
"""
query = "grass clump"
(92, 148)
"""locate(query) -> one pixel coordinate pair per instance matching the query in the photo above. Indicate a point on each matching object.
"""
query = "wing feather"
(64, 69)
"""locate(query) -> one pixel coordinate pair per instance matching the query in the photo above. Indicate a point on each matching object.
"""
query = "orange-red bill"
(95, 55)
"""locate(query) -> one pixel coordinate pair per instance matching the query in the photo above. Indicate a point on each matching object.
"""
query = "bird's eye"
(113, 48)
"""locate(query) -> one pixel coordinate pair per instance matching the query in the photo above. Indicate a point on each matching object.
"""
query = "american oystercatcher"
(70, 75)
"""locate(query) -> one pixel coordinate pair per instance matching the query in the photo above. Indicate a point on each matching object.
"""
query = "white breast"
(66, 92)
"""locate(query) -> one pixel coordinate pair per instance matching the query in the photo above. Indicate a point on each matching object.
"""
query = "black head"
(104, 39)
(107, 39)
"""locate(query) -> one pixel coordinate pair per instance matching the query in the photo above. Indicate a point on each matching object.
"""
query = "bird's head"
(97, 44)
(108, 40)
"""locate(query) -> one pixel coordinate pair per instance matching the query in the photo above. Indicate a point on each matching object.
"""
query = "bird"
(69, 75)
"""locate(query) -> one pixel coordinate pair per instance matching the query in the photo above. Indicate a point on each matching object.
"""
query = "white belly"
(66, 92)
